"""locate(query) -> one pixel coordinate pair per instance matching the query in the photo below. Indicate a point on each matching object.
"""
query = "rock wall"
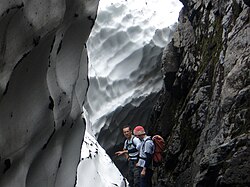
(43, 82)
(204, 111)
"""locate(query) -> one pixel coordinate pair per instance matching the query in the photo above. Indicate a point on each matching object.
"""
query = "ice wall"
(125, 48)
(43, 83)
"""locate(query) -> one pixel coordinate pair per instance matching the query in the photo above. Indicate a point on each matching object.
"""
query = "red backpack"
(159, 148)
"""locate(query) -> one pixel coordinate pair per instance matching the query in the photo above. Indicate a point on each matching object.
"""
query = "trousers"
(146, 181)
(133, 174)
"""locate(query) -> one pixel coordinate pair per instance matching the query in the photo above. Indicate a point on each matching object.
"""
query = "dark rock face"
(204, 111)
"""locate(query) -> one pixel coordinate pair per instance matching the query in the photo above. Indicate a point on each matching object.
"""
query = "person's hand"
(118, 153)
(143, 172)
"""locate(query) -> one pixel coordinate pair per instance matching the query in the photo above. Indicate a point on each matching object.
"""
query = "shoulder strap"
(126, 143)
(145, 142)
(133, 142)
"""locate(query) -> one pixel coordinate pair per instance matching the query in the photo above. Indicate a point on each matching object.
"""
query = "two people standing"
(143, 165)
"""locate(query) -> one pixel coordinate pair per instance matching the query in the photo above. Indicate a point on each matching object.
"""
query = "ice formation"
(43, 82)
(124, 52)
(124, 49)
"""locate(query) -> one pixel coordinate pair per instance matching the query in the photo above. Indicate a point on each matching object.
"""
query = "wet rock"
(210, 123)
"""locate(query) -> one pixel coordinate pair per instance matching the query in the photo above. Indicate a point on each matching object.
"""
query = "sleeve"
(149, 147)
(137, 142)
(149, 151)
(148, 160)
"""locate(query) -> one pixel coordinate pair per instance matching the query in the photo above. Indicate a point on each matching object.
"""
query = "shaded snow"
(124, 49)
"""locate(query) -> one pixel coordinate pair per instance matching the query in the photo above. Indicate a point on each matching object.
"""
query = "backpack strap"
(133, 142)
(127, 144)
(148, 159)
(143, 145)
(133, 150)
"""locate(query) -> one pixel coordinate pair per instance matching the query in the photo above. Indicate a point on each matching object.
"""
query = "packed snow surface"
(124, 51)
(124, 48)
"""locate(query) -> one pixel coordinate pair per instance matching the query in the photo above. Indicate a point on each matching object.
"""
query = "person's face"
(140, 136)
(127, 132)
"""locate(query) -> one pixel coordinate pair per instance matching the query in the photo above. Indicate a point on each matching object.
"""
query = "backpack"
(127, 144)
(159, 148)
(131, 152)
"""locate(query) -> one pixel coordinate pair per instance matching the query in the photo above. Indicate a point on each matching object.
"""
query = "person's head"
(127, 132)
(139, 132)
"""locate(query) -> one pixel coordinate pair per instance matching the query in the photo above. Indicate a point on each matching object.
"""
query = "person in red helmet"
(131, 152)
(145, 157)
